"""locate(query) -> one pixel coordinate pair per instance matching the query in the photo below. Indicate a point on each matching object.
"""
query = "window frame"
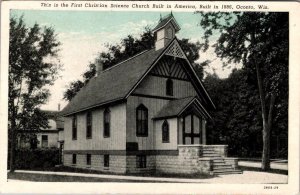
(106, 122)
(88, 159)
(143, 124)
(167, 126)
(74, 127)
(169, 87)
(45, 141)
(141, 161)
(106, 160)
(89, 125)
(74, 159)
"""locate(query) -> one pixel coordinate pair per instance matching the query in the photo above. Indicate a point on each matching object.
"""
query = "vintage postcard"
(149, 97)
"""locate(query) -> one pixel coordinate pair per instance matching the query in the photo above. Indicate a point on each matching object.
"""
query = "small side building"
(45, 138)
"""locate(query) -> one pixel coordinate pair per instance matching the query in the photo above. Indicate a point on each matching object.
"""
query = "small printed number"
(270, 187)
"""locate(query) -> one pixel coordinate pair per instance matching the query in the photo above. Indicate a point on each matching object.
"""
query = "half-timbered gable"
(156, 82)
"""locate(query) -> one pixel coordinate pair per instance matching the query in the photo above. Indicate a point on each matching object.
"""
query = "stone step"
(219, 163)
(204, 151)
(211, 155)
(217, 159)
(226, 172)
(216, 167)
(222, 168)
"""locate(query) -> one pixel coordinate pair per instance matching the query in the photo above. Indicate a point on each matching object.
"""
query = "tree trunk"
(266, 137)
(266, 128)
(265, 164)
(13, 139)
(12, 147)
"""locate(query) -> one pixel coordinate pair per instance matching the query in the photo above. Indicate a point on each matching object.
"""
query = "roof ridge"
(130, 58)
(184, 98)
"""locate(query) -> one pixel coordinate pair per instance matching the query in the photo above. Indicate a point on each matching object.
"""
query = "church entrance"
(192, 129)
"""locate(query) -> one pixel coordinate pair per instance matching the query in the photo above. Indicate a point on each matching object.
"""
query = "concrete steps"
(227, 172)
(219, 165)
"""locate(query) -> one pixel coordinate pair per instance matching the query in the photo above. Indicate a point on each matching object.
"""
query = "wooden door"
(191, 130)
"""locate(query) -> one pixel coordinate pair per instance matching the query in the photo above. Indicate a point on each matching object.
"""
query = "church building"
(145, 114)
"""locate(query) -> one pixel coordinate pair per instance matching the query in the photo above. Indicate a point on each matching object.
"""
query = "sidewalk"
(249, 177)
(274, 165)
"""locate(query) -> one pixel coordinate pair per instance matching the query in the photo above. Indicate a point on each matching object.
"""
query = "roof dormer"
(165, 31)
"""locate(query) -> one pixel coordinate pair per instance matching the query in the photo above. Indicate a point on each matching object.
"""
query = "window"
(165, 132)
(88, 159)
(89, 125)
(141, 161)
(106, 122)
(169, 87)
(170, 33)
(74, 159)
(44, 141)
(106, 160)
(74, 127)
(33, 142)
(141, 121)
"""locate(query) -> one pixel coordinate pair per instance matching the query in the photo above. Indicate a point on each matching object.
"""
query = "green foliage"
(129, 47)
(31, 69)
(33, 65)
(30, 72)
(259, 41)
(269, 49)
(237, 119)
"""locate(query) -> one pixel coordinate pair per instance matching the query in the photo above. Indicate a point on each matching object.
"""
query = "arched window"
(141, 121)
(89, 124)
(169, 87)
(165, 132)
(106, 122)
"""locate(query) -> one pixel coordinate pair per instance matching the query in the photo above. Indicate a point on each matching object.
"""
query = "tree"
(258, 40)
(129, 47)
(33, 65)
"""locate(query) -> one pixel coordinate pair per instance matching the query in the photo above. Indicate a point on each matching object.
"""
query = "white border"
(158, 188)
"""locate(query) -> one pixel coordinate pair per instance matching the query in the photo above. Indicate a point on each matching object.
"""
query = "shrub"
(37, 158)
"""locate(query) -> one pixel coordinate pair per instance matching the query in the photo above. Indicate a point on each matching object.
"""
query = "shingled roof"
(113, 83)
(164, 21)
(175, 107)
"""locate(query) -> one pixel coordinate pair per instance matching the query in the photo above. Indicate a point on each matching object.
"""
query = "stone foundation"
(188, 160)
(220, 149)
(232, 161)
(131, 165)
(117, 163)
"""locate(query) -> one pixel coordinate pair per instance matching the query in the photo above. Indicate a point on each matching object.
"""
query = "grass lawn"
(79, 170)
(62, 178)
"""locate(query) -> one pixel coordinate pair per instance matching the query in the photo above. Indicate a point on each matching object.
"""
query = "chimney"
(99, 68)
(58, 107)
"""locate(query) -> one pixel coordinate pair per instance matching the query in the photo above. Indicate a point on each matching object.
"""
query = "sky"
(84, 34)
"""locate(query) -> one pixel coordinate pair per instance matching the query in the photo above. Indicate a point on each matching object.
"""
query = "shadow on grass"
(59, 178)
(63, 178)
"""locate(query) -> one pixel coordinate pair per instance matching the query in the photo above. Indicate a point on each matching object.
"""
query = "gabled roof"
(113, 83)
(164, 21)
(118, 82)
(174, 108)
